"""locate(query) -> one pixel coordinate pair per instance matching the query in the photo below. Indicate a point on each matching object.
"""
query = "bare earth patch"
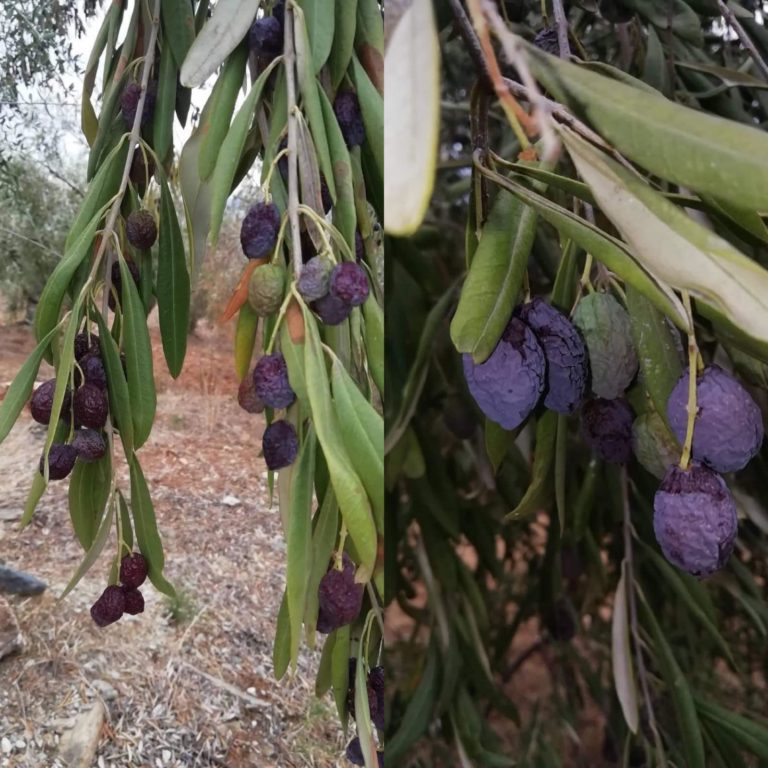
(189, 684)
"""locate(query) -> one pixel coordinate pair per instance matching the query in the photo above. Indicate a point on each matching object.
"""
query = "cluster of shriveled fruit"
(85, 410)
(86, 407)
(543, 355)
(126, 597)
(331, 289)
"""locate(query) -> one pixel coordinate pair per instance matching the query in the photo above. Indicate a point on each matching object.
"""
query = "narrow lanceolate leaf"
(49, 306)
(104, 185)
(363, 432)
(672, 246)
(125, 521)
(197, 196)
(245, 340)
(320, 19)
(749, 733)
(88, 120)
(374, 341)
(310, 88)
(21, 389)
(299, 541)
(323, 681)
(165, 106)
(281, 650)
(147, 535)
(66, 363)
(96, 548)
(343, 40)
(417, 376)
(541, 474)
(173, 285)
(679, 691)
(344, 213)
(178, 27)
(418, 713)
(621, 654)
(666, 138)
(363, 713)
(231, 151)
(372, 107)
(412, 123)
(350, 492)
(36, 491)
(656, 349)
(611, 251)
(89, 488)
(228, 25)
(294, 359)
(222, 105)
(340, 671)
(119, 399)
(138, 360)
(495, 276)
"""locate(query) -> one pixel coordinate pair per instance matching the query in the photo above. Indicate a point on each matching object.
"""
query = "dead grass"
(185, 685)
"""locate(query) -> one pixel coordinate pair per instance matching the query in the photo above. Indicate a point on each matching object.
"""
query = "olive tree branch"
(293, 163)
(746, 41)
(133, 140)
(561, 24)
(470, 40)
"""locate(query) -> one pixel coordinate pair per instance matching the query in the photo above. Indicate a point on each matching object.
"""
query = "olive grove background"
(510, 640)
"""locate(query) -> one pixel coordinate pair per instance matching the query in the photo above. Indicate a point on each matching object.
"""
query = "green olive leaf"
(671, 245)
(668, 139)
(350, 492)
(299, 541)
(220, 35)
(495, 276)
(173, 284)
(222, 105)
(147, 535)
(412, 120)
(320, 19)
(89, 489)
(138, 360)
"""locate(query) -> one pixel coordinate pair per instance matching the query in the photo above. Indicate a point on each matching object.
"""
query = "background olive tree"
(499, 532)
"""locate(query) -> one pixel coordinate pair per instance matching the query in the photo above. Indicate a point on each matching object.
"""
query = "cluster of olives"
(126, 597)
(543, 356)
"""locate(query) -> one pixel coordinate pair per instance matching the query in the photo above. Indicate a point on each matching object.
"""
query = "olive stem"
(693, 356)
(293, 167)
(268, 180)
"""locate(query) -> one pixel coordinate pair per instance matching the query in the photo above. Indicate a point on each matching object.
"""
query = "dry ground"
(184, 685)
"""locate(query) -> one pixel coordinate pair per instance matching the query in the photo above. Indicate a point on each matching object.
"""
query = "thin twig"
(470, 40)
(30, 240)
(521, 122)
(541, 111)
(228, 687)
(561, 24)
(745, 39)
(540, 642)
(632, 605)
(293, 165)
